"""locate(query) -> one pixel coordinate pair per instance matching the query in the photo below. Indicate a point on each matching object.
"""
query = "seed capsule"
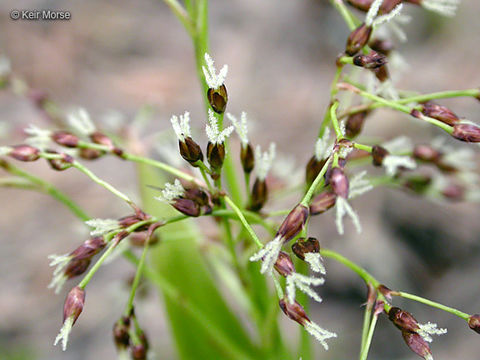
(89, 248)
(373, 60)
(294, 311)
(190, 151)
(417, 344)
(24, 153)
(382, 46)
(313, 168)
(74, 304)
(357, 39)
(218, 99)
(293, 223)
(120, 333)
(354, 124)
(247, 158)
(426, 153)
(187, 207)
(64, 138)
(322, 202)
(100, 138)
(466, 132)
(76, 267)
(339, 182)
(381, 73)
(216, 156)
(284, 264)
(90, 154)
(259, 195)
(60, 164)
(302, 247)
(378, 155)
(440, 113)
(403, 320)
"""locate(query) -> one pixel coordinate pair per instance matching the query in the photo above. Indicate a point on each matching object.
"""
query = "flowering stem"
(367, 148)
(333, 118)
(434, 304)
(244, 221)
(440, 95)
(311, 190)
(182, 15)
(368, 340)
(347, 16)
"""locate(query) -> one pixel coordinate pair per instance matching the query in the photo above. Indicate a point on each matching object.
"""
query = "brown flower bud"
(382, 73)
(439, 112)
(293, 223)
(218, 99)
(90, 154)
(138, 352)
(339, 182)
(354, 124)
(24, 153)
(357, 39)
(466, 132)
(120, 333)
(216, 156)
(101, 139)
(74, 304)
(403, 320)
(60, 164)
(474, 323)
(378, 155)
(294, 311)
(322, 202)
(426, 153)
(247, 158)
(417, 344)
(259, 195)
(382, 46)
(284, 264)
(373, 60)
(303, 247)
(64, 138)
(89, 248)
(190, 151)
(187, 207)
(313, 168)
(76, 267)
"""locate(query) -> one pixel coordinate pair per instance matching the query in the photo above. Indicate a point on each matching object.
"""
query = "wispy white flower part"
(214, 135)
(5, 150)
(344, 208)
(392, 163)
(359, 185)
(5, 67)
(319, 333)
(428, 329)
(241, 127)
(315, 261)
(442, 7)
(323, 147)
(372, 12)
(213, 80)
(303, 283)
(387, 17)
(268, 254)
(80, 121)
(399, 144)
(102, 226)
(171, 192)
(182, 126)
(462, 158)
(64, 333)
(344, 151)
(37, 137)
(59, 278)
(264, 161)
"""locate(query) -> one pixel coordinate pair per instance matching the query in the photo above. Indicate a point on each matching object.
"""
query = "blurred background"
(113, 58)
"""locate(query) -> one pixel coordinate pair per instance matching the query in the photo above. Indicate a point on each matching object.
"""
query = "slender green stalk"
(347, 16)
(363, 147)
(182, 15)
(311, 191)
(333, 118)
(368, 340)
(440, 95)
(244, 221)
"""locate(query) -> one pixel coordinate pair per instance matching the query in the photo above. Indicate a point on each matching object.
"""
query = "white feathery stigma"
(372, 12)
(80, 121)
(304, 284)
(182, 126)
(37, 137)
(264, 161)
(171, 192)
(393, 163)
(214, 135)
(427, 330)
(241, 127)
(315, 261)
(344, 208)
(213, 80)
(59, 278)
(323, 147)
(64, 332)
(442, 7)
(268, 254)
(359, 185)
(102, 226)
(319, 333)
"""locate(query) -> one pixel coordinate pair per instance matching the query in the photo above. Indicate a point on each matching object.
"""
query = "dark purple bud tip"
(303, 247)
(293, 223)
(426, 153)
(259, 195)
(339, 182)
(76, 267)
(357, 39)
(354, 124)
(247, 158)
(89, 248)
(64, 163)
(294, 311)
(378, 155)
(466, 132)
(216, 155)
(190, 151)
(440, 113)
(313, 168)
(417, 344)
(101, 139)
(284, 264)
(24, 153)
(138, 352)
(373, 60)
(474, 323)
(120, 334)
(218, 99)
(403, 320)
(187, 207)
(322, 202)
(64, 138)
(74, 304)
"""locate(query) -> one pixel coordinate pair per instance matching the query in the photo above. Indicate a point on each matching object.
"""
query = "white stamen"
(59, 278)
(428, 329)
(387, 17)
(372, 12)
(344, 208)
(323, 147)
(171, 192)
(213, 80)
(303, 283)
(80, 121)
(315, 261)
(240, 127)
(182, 127)
(102, 226)
(37, 137)
(319, 333)
(393, 163)
(264, 161)
(399, 144)
(442, 7)
(214, 135)
(64, 333)
(268, 254)
(359, 185)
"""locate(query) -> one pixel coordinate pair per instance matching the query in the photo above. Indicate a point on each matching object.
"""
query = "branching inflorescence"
(331, 181)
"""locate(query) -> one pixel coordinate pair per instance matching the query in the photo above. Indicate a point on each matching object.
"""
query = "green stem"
(244, 221)
(347, 16)
(182, 15)
(311, 191)
(440, 95)
(368, 340)
(367, 148)
(333, 118)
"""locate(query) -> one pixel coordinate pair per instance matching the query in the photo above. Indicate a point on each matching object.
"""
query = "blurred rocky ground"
(122, 55)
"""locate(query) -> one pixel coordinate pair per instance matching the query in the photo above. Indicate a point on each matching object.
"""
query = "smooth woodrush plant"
(332, 181)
